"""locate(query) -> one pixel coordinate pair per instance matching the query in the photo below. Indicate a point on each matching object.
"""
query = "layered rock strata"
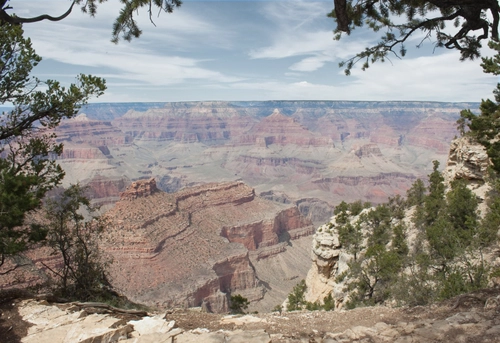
(192, 247)
(282, 130)
(305, 149)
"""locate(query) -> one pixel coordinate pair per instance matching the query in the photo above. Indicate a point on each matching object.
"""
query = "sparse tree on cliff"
(82, 275)
(473, 20)
(27, 148)
(124, 25)
(416, 194)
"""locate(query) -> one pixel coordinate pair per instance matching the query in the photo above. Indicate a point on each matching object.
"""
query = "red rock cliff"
(171, 250)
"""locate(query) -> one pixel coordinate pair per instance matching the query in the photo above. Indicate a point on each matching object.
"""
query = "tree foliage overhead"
(472, 20)
(124, 25)
(27, 147)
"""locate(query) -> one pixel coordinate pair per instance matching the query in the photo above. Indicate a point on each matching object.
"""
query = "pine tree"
(28, 169)
(124, 25)
(473, 22)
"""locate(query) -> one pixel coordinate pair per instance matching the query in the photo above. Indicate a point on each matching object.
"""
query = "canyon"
(223, 197)
(209, 199)
(197, 246)
(318, 152)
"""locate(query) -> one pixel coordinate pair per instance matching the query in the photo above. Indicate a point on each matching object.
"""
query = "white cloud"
(241, 51)
(312, 63)
(144, 60)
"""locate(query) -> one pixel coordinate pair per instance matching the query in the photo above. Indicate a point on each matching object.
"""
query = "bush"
(82, 275)
(328, 303)
(238, 304)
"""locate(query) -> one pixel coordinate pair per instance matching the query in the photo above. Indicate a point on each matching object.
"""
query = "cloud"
(302, 30)
(83, 41)
(239, 50)
(311, 63)
(426, 78)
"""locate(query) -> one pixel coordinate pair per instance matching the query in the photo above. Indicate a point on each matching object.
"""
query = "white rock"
(152, 324)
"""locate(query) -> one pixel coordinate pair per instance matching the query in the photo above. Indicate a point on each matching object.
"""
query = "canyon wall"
(211, 235)
(324, 150)
(191, 248)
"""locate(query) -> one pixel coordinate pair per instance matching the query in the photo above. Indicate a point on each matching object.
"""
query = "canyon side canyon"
(208, 199)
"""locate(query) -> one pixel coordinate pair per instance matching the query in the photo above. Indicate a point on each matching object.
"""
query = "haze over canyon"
(313, 153)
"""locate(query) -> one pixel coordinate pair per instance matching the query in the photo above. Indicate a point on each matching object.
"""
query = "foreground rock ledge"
(467, 318)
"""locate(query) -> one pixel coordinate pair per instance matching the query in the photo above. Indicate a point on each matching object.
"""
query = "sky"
(240, 50)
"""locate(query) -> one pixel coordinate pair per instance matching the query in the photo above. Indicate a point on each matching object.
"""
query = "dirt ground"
(292, 324)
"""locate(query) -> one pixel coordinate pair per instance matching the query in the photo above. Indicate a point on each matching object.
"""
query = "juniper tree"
(473, 21)
(124, 24)
(28, 169)
(74, 229)
(416, 194)
(434, 201)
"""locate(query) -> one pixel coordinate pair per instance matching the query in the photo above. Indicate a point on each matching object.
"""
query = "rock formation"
(329, 260)
(206, 122)
(106, 190)
(193, 246)
(139, 189)
(467, 160)
(307, 150)
(282, 130)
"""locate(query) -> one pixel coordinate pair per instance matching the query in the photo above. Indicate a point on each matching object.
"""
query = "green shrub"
(296, 298)
(238, 303)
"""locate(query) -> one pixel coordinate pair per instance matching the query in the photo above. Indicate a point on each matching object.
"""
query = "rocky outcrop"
(467, 160)
(192, 247)
(329, 260)
(139, 189)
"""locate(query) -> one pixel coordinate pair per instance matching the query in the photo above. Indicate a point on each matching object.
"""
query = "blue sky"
(240, 50)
